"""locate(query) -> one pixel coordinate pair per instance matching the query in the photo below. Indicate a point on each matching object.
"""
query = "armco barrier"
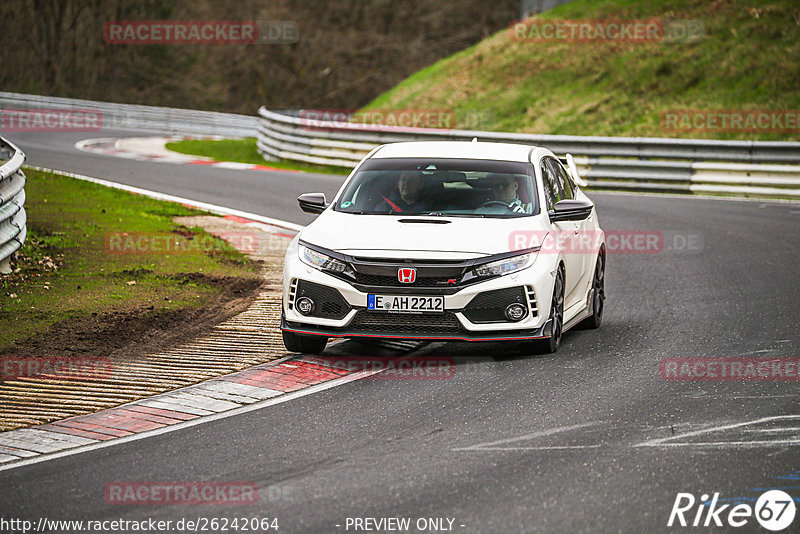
(12, 199)
(135, 117)
(757, 168)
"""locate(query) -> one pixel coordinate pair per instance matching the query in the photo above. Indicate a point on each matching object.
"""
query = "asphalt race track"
(249, 191)
(591, 439)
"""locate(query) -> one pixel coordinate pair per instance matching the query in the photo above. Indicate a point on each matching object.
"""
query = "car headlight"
(504, 266)
(321, 261)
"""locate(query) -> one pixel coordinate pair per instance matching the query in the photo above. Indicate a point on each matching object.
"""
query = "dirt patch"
(151, 346)
(134, 332)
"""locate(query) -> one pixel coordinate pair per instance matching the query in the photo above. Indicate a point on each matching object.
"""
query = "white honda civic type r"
(447, 240)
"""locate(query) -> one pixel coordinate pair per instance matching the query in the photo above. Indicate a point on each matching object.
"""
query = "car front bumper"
(352, 318)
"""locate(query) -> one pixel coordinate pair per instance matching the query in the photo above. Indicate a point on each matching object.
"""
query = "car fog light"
(516, 312)
(304, 305)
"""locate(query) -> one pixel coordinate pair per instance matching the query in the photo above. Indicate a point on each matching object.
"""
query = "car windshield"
(452, 187)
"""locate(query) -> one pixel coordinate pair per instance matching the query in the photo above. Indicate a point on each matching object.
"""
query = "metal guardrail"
(135, 117)
(758, 168)
(12, 199)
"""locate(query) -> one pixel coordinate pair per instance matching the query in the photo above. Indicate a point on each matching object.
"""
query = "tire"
(550, 345)
(599, 296)
(303, 343)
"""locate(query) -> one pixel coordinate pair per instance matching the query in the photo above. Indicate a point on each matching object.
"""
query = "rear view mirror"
(312, 202)
(571, 210)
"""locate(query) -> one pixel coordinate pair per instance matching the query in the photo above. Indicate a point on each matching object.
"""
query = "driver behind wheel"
(504, 188)
(406, 196)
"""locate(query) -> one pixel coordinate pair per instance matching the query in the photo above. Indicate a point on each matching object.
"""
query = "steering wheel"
(493, 202)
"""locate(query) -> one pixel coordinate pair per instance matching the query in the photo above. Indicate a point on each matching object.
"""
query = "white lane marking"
(536, 448)
(671, 441)
(194, 422)
(213, 208)
(705, 396)
(780, 430)
(533, 435)
(233, 165)
(149, 148)
(83, 144)
(661, 442)
(761, 443)
(155, 147)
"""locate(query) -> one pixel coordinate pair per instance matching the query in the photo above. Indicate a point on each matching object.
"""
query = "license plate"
(405, 304)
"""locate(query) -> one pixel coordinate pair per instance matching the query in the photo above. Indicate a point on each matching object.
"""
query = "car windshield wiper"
(446, 214)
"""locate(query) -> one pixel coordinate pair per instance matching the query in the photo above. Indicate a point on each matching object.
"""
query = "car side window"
(563, 178)
(550, 183)
(564, 191)
(571, 182)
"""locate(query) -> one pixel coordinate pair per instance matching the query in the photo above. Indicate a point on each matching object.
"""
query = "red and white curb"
(154, 149)
(225, 396)
(272, 229)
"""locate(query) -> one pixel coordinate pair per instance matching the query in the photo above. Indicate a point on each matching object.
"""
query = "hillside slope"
(747, 59)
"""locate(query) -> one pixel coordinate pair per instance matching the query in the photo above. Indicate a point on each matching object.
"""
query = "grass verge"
(95, 251)
(748, 58)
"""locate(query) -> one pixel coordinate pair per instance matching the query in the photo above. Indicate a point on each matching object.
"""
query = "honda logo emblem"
(407, 276)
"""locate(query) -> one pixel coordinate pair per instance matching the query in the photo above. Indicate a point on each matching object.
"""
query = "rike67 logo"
(774, 510)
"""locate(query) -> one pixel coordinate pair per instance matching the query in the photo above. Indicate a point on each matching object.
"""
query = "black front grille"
(392, 281)
(383, 272)
(406, 323)
(490, 306)
(328, 302)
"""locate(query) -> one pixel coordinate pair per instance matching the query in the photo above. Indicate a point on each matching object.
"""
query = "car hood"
(452, 237)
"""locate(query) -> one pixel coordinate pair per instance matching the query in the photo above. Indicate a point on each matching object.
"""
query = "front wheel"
(302, 343)
(550, 345)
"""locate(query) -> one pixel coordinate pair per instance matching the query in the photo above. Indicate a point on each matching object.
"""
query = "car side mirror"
(312, 202)
(571, 210)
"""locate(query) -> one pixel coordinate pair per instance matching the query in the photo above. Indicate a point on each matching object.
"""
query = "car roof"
(458, 150)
